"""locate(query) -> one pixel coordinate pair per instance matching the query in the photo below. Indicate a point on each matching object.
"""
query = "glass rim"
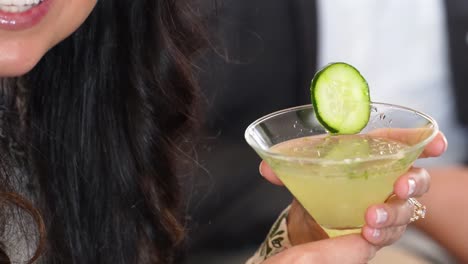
(253, 144)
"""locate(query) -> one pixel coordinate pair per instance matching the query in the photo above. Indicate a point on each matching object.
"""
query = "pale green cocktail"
(337, 177)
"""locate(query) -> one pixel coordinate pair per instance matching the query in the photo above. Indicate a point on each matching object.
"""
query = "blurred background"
(262, 56)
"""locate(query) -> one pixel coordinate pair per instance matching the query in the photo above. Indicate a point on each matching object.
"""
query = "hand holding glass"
(336, 178)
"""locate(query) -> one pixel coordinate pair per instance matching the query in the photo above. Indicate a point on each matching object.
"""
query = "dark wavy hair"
(95, 129)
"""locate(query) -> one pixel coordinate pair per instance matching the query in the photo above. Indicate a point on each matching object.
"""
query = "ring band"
(419, 210)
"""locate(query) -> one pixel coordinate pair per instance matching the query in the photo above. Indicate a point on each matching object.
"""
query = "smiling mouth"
(18, 6)
(22, 14)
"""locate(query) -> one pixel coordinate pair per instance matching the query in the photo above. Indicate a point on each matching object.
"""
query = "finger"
(436, 147)
(384, 236)
(414, 183)
(302, 227)
(344, 250)
(393, 213)
(268, 174)
(412, 136)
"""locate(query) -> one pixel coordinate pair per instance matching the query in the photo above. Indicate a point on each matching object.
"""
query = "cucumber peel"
(340, 97)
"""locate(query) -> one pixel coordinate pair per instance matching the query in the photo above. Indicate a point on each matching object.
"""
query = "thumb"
(349, 249)
(268, 173)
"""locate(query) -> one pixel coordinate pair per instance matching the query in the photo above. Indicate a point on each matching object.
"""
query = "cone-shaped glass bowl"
(336, 178)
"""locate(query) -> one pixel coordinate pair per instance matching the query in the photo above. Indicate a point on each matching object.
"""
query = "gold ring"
(419, 210)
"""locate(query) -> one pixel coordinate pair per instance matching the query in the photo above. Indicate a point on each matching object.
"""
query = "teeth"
(18, 2)
(14, 9)
(17, 6)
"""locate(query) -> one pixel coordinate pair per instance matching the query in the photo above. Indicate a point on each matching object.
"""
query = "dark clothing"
(457, 24)
(259, 68)
(269, 49)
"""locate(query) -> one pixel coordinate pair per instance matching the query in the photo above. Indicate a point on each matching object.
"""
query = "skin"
(311, 245)
(21, 50)
(447, 203)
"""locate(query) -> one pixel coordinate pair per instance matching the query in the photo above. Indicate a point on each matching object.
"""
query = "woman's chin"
(14, 66)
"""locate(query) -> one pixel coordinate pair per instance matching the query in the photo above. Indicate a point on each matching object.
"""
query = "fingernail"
(411, 186)
(445, 145)
(382, 216)
(441, 146)
(376, 233)
(260, 168)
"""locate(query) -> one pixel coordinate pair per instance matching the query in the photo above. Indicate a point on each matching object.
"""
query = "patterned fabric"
(276, 241)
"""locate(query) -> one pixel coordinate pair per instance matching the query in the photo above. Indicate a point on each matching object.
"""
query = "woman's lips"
(25, 19)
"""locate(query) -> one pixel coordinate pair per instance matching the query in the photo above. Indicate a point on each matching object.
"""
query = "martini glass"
(337, 177)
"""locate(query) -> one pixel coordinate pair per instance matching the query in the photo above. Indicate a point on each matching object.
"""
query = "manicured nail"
(382, 216)
(376, 233)
(444, 145)
(411, 186)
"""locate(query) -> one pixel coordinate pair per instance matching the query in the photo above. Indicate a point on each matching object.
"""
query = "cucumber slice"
(344, 147)
(340, 96)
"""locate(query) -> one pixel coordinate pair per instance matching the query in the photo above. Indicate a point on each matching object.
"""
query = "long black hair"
(100, 119)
